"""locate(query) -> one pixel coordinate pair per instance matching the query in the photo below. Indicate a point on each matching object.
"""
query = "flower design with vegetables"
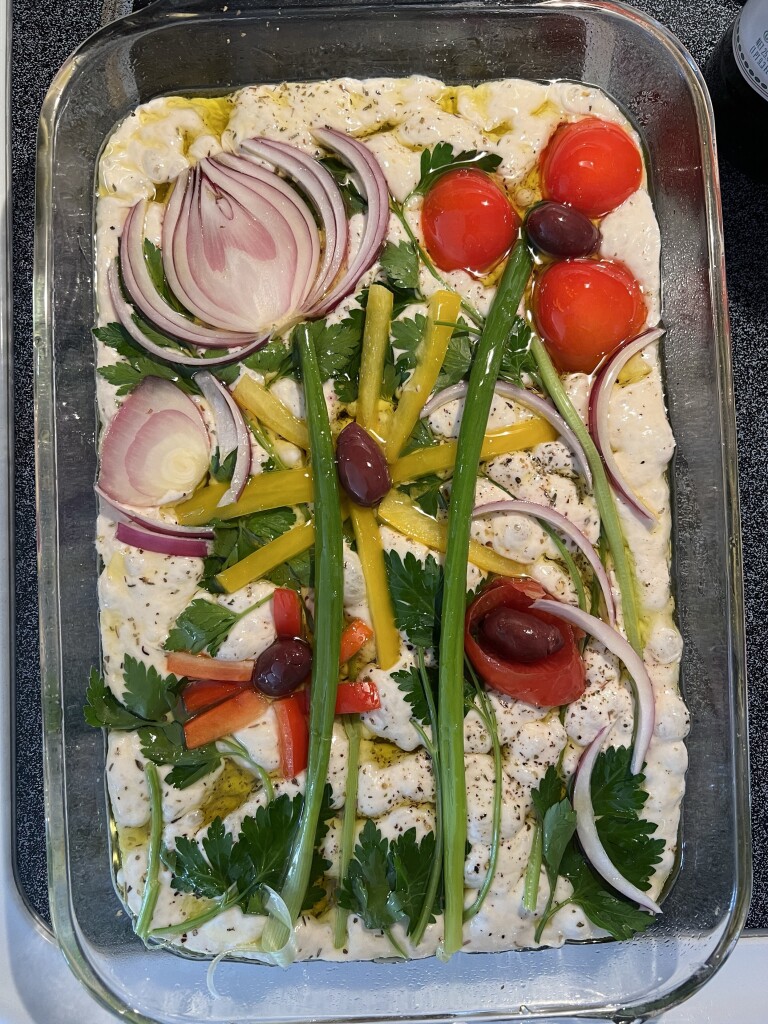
(385, 590)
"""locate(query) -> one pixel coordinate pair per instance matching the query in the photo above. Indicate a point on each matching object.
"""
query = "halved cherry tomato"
(591, 164)
(292, 735)
(355, 636)
(468, 222)
(351, 698)
(200, 666)
(204, 693)
(286, 609)
(584, 309)
(222, 720)
(554, 680)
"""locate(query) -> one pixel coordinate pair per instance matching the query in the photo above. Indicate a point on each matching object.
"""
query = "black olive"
(517, 636)
(561, 231)
(282, 667)
(363, 470)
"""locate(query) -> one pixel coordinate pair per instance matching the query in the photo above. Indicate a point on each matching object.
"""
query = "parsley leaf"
(276, 357)
(164, 744)
(550, 791)
(458, 357)
(427, 492)
(517, 358)
(137, 364)
(441, 158)
(616, 915)
(103, 709)
(296, 573)
(400, 265)
(148, 697)
(421, 437)
(338, 347)
(559, 827)
(203, 625)
(153, 257)
(412, 863)
(235, 539)
(222, 471)
(370, 880)
(416, 589)
(353, 200)
(409, 683)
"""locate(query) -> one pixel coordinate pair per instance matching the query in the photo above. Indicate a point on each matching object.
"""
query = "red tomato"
(591, 164)
(554, 680)
(584, 309)
(222, 720)
(468, 222)
(351, 698)
(292, 735)
(286, 610)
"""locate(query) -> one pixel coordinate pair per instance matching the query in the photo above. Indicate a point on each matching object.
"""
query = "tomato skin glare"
(592, 165)
(555, 680)
(584, 309)
(468, 222)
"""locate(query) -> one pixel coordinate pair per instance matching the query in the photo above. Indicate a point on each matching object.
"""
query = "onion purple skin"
(586, 829)
(598, 418)
(565, 526)
(645, 705)
(161, 543)
(118, 512)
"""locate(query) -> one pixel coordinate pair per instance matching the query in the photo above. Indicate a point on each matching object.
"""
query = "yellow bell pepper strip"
(371, 555)
(440, 457)
(262, 492)
(266, 407)
(378, 314)
(398, 511)
(444, 307)
(257, 565)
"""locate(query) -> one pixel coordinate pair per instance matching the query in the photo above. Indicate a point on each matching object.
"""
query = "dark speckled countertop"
(44, 34)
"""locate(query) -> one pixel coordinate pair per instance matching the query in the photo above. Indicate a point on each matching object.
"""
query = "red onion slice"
(566, 527)
(161, 543)
(599, 398)
(645, 709)
(322, 190)
(153, 306)
(586, 829)
(125, 314)
(531, 401)
(227, 413)
(155, 449)
(373, 186)
(118, 512)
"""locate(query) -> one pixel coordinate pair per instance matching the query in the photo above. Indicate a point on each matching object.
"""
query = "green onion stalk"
(482, 380)
(353, 730)
(329, 589)
(152, 883)
(606, 504)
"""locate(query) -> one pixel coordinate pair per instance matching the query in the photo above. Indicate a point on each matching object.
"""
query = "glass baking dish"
(189, 46)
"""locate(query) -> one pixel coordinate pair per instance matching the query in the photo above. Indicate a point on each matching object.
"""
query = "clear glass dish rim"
(62, 913)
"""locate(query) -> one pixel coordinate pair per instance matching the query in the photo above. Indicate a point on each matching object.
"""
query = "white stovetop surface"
(36, 986)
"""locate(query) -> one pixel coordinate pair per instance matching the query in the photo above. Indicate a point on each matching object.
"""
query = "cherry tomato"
(584, 309)
(468, 222)
(591, 164)
(555, 679)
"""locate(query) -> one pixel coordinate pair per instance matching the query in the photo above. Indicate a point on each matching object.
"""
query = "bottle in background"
(737, 76)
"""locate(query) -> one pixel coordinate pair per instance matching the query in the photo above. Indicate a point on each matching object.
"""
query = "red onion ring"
(565, 526)
(125, 314)
(324, 193)
(118, 512)
(586, 829)
(145, 297)
(645, 708)
(161, 543)
(598, 418)
(230, 421)
(531, 401)
(374, 189)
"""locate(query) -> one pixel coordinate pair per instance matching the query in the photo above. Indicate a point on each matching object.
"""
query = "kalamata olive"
(363, 470)
(517, 636)
(282, 667)
(561, 231)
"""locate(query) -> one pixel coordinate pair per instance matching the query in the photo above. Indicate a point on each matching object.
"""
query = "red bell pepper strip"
(204, 693)
(222, 720)
(292, 734)
(554, 680)
(355, 636)
(351, 698)
(286, 609)
(201, 666)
